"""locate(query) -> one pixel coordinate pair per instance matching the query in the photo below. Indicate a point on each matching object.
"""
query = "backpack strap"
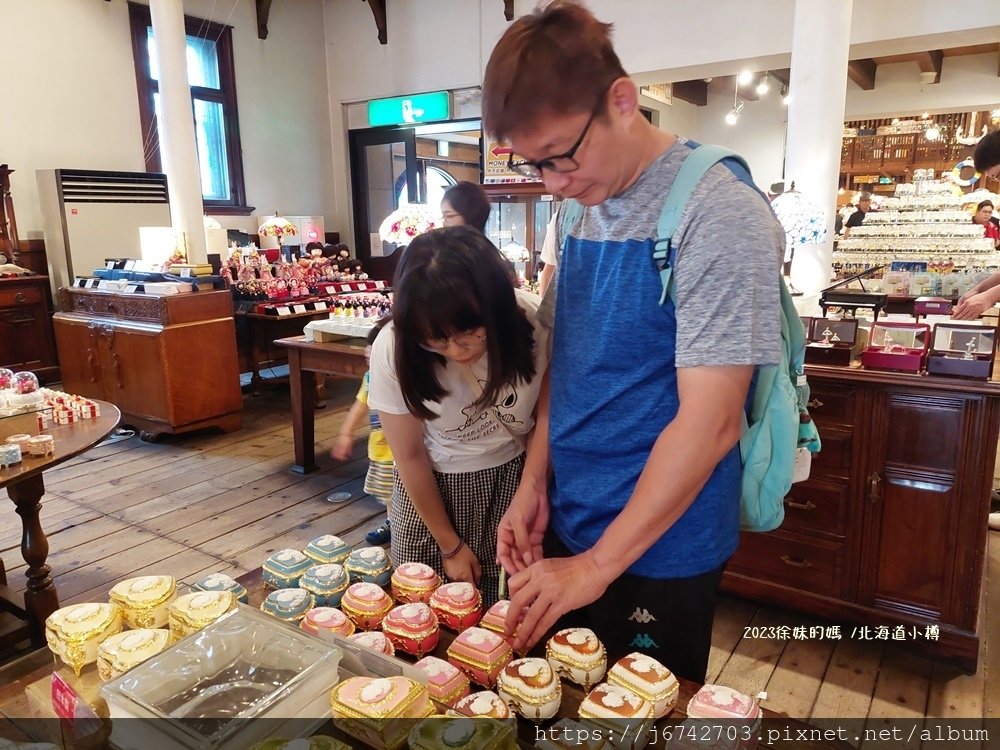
(698, 162)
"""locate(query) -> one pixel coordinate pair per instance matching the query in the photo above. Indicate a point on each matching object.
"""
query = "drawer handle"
(873, 489)
(807, 505)
(814, 403)
(20, 298)
(795, 563)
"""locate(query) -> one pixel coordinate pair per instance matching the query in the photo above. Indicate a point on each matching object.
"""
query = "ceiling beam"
(930, 62)
(727, 85)
(862, 72)
(378, 10)
(508, 9)
(782, 75)
(693, 92)
(263, 11)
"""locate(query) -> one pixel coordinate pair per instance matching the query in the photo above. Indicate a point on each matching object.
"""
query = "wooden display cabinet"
(168, 363)
(520, 214)
(890, 528)
(26, 338)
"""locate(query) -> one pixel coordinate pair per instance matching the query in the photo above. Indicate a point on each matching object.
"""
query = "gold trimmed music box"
(578, 655)
(462, 733)
(378, 711)
(122, 651)
(531, 687)
(145, 600)
(74, 633)
(190, 613)
(648, 679)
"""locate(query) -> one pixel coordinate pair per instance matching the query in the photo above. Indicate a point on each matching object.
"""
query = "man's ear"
(623, 99)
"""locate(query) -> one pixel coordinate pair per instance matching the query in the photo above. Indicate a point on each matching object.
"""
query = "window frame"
(140, 21)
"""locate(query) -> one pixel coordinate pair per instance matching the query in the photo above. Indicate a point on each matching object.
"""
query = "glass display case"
(962, 350)
(518, 220)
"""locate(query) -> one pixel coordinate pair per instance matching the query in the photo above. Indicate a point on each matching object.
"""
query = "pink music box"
(481, 655)
(445, 682)
(457, 605)
(412, 628)
(414, 582)
(898, 347)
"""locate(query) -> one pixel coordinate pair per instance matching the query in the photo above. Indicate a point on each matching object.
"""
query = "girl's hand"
(342, 448)
(463, 566)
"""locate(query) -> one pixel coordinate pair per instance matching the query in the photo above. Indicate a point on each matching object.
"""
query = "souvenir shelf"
(923, 221)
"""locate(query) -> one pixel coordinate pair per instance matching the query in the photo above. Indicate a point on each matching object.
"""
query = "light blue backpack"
(777, 425)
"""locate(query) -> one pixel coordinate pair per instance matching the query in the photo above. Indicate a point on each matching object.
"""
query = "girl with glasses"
(455, 377)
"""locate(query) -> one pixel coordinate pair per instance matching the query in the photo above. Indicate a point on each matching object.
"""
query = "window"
(213, 96)
(437, 181)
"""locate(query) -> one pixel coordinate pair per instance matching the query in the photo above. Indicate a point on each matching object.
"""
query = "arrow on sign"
(501, 150)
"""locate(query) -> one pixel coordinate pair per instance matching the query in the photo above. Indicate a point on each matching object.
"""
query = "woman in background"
(466, 203)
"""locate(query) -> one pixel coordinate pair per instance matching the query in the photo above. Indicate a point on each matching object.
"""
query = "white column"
(178, 151)
(821, 36)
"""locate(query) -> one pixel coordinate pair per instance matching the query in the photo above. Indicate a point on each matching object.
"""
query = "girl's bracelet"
(449, 555)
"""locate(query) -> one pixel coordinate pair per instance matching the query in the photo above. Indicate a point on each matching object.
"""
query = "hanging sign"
(495, 171)
(400, 110)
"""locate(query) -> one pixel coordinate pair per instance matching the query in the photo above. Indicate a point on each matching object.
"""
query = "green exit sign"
(403, 109)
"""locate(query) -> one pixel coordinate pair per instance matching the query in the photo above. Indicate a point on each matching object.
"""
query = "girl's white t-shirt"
(462, 438)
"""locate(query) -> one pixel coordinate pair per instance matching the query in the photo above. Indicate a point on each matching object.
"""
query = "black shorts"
(669, 619)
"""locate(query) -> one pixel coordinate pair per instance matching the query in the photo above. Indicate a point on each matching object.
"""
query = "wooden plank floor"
(192, 505)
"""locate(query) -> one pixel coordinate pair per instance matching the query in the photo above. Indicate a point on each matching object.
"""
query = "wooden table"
(25, 487)
(255, 334)
(305, 359)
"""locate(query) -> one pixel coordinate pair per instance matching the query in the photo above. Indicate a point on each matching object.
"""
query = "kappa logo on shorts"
(643, 641)
(642, 615)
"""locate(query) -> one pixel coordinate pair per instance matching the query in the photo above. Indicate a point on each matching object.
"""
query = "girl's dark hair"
(471, 203)
(983, 205)
(449, 281)
(379, 325)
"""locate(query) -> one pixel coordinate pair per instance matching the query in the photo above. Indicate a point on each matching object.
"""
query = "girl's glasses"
(461, 340)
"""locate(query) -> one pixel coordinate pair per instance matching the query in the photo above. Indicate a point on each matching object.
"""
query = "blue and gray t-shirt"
(615, 351)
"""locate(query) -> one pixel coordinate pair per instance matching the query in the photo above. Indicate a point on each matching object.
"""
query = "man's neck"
(645, 145)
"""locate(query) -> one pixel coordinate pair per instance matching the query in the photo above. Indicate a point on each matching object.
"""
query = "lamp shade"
(277, 226)
(407, 222)
(803, 220)
(515, 253)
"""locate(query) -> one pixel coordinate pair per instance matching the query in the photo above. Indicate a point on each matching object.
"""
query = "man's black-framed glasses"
(561, 163)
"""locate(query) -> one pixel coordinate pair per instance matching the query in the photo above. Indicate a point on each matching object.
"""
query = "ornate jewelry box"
(123, 651)
(494, 620)
(144, 601)
(962, 351)
(485, 703)
(462, 734)
(316, 742)
(414, 582)
(412, 628)
(326, 620)
(283, 569)
(222, 582)
(899, 347)
(445, 682)
(192, 612)
(369, 565)
(74, 633)
(326, 582)
(480, 654)
(531, 687)
(577, 655)
(457, 605)
(289, 605)
(831, 342)
(375, 640)
(714, 702)
(379, 711)
(366, 604)
(328, 549)
(648, 679)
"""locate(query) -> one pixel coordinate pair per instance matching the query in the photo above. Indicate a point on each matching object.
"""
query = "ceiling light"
(745, 77)
(734, 114)
(762, 87)
(932, 133)
(786, 99)
(925, 116)
(895, 121)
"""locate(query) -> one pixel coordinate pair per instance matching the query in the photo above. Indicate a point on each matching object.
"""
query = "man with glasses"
(627, 514)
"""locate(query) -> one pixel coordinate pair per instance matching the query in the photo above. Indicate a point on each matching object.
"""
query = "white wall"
(67, 74)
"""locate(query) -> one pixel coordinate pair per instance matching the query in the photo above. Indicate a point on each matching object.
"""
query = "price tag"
(185, 273)
(93, 283)
(130, 265)
(131, 289)
(284, 311)
(299, 308)
(64, 698)
(319, 305)
(110, 265)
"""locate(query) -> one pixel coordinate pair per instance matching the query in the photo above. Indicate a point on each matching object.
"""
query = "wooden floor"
(193, 505)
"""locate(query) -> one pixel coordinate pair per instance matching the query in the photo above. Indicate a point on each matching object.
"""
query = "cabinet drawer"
(831, 405)
(30, 295)
(817, 506)
(809, 564)
(834, 459)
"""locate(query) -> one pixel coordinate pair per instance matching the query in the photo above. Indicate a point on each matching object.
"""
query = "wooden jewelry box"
(962, 351)
(831, 342)
(898, 347)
